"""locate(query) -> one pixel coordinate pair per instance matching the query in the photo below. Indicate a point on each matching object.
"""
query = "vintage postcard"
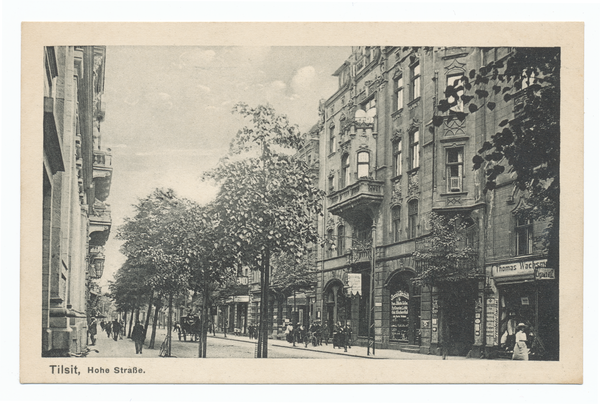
(358, 202)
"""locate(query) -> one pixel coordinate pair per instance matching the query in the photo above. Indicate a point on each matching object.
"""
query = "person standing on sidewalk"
(107, 328)
(93, 329)
(116, 328)
(137, 335)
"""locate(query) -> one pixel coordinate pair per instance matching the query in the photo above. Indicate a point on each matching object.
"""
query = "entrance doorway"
(458, 318)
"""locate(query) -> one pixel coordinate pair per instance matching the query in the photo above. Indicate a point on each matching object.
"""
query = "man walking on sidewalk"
(137, 335)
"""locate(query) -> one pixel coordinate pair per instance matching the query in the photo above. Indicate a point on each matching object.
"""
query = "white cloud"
(303, 79)
(163, 99)
(211, 107)
(117, 146)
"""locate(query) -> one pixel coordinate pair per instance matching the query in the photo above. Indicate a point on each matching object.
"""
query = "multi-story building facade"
(77, 176)
(385, 167)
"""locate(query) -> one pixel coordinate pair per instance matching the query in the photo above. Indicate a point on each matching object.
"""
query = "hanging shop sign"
(519, 269)
(355, 284)
(544, 273)
(241, 299)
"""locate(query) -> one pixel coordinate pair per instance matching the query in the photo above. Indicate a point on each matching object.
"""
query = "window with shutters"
(454, 169)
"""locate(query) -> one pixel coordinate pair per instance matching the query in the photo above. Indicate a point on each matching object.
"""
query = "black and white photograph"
(382, 201)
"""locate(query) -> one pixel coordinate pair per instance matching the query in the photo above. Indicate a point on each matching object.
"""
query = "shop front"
(520, 294)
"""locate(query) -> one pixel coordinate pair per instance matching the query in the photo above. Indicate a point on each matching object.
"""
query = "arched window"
(363, 164)
(345, 170)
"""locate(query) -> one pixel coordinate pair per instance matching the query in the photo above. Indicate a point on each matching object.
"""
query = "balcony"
(100, 223)
(362, 196)
(102, 173)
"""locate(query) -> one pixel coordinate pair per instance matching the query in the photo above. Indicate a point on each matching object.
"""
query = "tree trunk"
(148, 314)
(154, 322)
(130, 324)
(124, 331)
(260, 317)
(203, 321)
(264, 302)
(169, 325)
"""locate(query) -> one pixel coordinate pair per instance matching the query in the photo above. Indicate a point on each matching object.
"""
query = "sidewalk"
(124, 348)
(355, 351)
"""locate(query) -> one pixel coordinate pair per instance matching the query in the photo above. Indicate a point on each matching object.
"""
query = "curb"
(308, 349)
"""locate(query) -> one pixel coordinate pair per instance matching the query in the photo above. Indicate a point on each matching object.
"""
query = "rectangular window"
(398, 158)
(399, 97)
(363, 165)
(396, 222)
(331, 139)
(454, 81)
(415, 77)
(341, 244)
(413, 214)
(414, 150)
(345, 171)
(454, 169)
(329, 244)
(524, 236)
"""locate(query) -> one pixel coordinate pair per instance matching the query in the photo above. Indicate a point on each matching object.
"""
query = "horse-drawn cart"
(189, 326)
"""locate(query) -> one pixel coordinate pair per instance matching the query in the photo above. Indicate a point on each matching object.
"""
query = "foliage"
(529, 144)
(443, 256)
(293, 274)
(267, 200)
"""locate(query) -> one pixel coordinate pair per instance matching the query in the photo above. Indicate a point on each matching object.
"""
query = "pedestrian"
(289, 333)
(325, 332)
(116, 329)
(107, 328)
(137, 335)
(93, 329)
(521, 352)
(122, 324)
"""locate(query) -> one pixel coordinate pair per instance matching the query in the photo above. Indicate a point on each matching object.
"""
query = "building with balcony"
(77, 175)
(386, 167)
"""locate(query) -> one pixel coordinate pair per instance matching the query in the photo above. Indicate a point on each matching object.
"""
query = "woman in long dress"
(521, 352)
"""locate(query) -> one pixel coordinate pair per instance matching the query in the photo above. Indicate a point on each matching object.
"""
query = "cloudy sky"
(168, 112)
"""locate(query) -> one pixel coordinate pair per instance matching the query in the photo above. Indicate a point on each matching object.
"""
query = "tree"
(267, 199)
(443, 255)
(148, 241)
(527, 146)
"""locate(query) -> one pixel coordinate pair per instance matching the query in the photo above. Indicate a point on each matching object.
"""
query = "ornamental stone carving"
(396, 193)
(413, 185)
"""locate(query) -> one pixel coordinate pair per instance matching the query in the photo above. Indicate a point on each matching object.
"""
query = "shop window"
(399, 299)
(399, 93)
(329, 244)
(454, 81)
(363, 164)
(396, 223)
(345, 170)
(341, 244)
(415, 78)
(454, 169)
(398, 158)
(524, 236)
(414, 150)
(413, 214)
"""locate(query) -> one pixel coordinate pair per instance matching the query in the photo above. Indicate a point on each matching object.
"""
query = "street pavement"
(242, 347)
